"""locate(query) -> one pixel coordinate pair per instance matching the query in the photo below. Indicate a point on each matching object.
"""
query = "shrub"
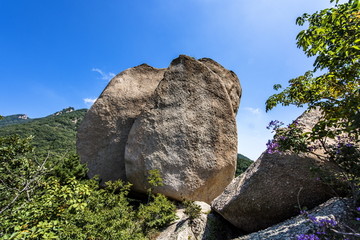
(56, 202)
(192, 209)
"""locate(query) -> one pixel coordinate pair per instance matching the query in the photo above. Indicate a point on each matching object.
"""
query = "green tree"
(242, 163)
(20, 172)
(332, 87)
(43, 198)
(333, 38)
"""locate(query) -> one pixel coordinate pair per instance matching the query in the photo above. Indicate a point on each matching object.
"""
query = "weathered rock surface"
(102, 135)
(269, 191)
(189, 134)
(207, 226)
(335, 208)
(230, 80)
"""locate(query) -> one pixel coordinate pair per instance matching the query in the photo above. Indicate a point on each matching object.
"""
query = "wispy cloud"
(104, 76)
(89, 101)
(255, 111)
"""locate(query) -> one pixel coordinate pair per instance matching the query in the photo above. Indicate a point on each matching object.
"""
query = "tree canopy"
(333, 85)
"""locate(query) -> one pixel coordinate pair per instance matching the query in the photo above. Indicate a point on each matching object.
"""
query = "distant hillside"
(56, 132)
(243, 163)
(14, 119)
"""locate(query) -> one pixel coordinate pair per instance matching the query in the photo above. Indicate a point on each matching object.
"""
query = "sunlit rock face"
(273, 188)
(189, 134)
(179, 120)
(102, 135)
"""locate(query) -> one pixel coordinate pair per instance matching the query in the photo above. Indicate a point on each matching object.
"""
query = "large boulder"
(271, 190)
(102, 135)
(189, 134)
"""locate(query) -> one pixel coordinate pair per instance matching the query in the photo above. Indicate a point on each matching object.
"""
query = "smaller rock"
(270, 191)
(205, 208)
(207, 226)
(335, 208)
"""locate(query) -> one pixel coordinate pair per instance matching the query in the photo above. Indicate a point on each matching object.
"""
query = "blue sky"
(56, 54)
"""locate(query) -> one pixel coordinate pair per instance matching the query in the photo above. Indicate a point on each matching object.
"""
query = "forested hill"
(14, 119)
(243, 163)
(56, 132)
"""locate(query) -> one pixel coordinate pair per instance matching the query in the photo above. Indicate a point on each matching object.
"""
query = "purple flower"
(307, 237)
(358, 208)
(323, 222)
(275, 124)
(303, 212)
(312, 218)
(357, 219)
(272, 146)
(282, 138)
(293, 124)
(312, 148)
(330, 222)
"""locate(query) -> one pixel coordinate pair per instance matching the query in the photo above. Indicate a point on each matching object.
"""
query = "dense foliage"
(333, 89)
(333, 38)
(242, 164)
(41, 199)
(44, 192)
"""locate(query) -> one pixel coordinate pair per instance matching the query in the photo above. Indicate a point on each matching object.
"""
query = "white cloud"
(89, 101)
(104, 76)
(255, 111)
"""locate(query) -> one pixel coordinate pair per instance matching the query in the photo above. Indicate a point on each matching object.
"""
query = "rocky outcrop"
(334, 209)
(179, 120)
(269, 191)
(207, 226)
(102, 135)
(189, 134)
(211, 226)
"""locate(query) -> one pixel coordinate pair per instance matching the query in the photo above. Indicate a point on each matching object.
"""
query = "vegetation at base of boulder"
(154, 179)
(192, 210)
(242, 164)
(333, 38)
(159, 212)
(43, 199)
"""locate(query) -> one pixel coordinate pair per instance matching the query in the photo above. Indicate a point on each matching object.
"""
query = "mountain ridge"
(55, 132)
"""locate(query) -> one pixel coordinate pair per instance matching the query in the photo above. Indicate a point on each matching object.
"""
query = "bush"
(156, 214)
(43, 201)
(192, 210)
